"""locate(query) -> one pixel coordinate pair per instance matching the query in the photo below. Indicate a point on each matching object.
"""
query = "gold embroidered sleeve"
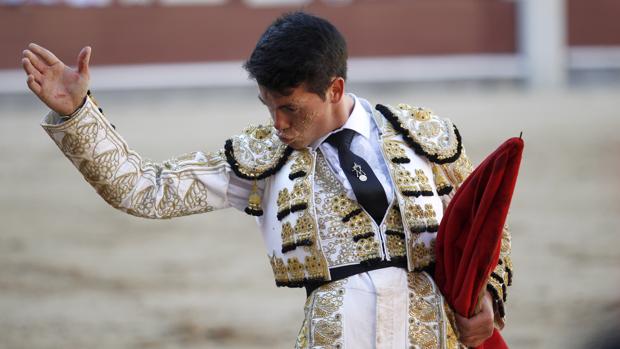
(501, 277)
(193, 183)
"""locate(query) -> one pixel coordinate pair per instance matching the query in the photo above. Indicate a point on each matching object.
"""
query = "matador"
(348, 197)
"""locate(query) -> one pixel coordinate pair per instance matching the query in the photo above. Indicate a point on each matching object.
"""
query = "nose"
(280, 121)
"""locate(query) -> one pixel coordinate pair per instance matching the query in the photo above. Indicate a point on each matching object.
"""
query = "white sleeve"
(192, 183)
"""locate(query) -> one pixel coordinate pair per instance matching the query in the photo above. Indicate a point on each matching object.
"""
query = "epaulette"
(256, 153)
(429, 135)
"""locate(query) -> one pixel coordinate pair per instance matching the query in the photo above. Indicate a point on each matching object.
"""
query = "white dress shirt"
(365, 144)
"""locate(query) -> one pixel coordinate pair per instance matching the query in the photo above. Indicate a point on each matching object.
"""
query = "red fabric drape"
(469, 237)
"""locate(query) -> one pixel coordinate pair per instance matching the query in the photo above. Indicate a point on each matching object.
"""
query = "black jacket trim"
(417, 148)
(230, 158)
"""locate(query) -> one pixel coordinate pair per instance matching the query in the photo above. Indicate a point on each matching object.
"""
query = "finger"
(31, 70)
(35, 60)
(33, 85)
(84, 60)
(47, 56)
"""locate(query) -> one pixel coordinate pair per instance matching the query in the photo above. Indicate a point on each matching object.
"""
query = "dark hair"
(298, 48)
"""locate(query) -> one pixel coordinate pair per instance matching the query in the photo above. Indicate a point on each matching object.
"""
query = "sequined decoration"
(304, 230)
(434, 135)
(296, 272)
(420, 219)
(254, 202)
(324, 317)
(428, 325)
(279, 269)
(443, 186)
(256, 152)
(423, 184)
(395, 152)
(405, 182)
(302, 165)
(288, 237)
(125, 180)
(336, 238)
(284, 204)
(395, 234)
(315, 266)
(422, 255)
(300, 195)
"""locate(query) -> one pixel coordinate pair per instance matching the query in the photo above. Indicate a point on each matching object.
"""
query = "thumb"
(83, 61)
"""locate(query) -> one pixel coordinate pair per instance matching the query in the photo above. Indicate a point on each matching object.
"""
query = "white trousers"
(384, 308)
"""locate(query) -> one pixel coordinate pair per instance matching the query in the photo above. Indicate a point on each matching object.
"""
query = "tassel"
(254, 202)
(443, 186)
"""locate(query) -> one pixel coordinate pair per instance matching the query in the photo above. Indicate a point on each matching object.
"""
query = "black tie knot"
(341, 139)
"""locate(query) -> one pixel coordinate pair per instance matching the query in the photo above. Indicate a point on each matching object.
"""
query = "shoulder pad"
(429, 135)
(257, 153)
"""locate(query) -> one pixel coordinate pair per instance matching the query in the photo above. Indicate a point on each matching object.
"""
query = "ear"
(336, 90)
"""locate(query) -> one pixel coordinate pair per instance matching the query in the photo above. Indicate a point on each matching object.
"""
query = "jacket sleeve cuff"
(497, 285)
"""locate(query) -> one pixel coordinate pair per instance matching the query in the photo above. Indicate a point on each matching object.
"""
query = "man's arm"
(193, 183)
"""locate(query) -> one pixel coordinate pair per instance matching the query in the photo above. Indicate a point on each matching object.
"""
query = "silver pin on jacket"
(359, 173)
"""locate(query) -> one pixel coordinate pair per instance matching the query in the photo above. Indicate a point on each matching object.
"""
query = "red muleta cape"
(469, 237)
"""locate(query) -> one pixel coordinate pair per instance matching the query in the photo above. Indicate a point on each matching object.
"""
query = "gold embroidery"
(167, 190)
(302, 164)
(254, 207)
(279, 270)
(170, 204)
(119, 188)
(419, 113)
(284, 203)
(143, 203)
(431, 218)
(305, 230)
(302, 336)
(423, 183)
(396, 245)
(296, 270)
(332, 205)
(452, 338)
(460, 169)
(288, 239)
(101, 168)
(405, 181)
(420, 219)
(422, 255)
(76, 144)
(325, 315)
(414, 216)
(360, 226)
(257, 150)
(425, 313)
(395, 152)
(368, 249)
(435, 135)
(196, 198)
(443, 186)
(301, 195)
(315, 266)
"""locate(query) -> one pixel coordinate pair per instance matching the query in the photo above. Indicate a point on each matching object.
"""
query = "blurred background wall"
(75, 273)
(537, 41)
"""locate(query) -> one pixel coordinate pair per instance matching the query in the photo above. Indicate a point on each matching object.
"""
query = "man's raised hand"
(60, 87)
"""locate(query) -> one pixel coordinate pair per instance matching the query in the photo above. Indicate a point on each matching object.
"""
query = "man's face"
(300, 118)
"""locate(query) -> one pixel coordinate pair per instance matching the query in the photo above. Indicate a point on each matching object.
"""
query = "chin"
(297, 145)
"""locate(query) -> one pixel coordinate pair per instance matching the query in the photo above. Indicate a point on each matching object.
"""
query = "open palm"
(60, 87)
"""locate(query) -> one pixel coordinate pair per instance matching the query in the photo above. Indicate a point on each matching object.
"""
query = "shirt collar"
(358, 121)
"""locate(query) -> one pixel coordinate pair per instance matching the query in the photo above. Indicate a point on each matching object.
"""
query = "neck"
(343, 111)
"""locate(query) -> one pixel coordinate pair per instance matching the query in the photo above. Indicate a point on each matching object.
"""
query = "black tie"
(366, 186)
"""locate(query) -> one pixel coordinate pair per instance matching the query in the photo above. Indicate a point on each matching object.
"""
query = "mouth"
(286, 140)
